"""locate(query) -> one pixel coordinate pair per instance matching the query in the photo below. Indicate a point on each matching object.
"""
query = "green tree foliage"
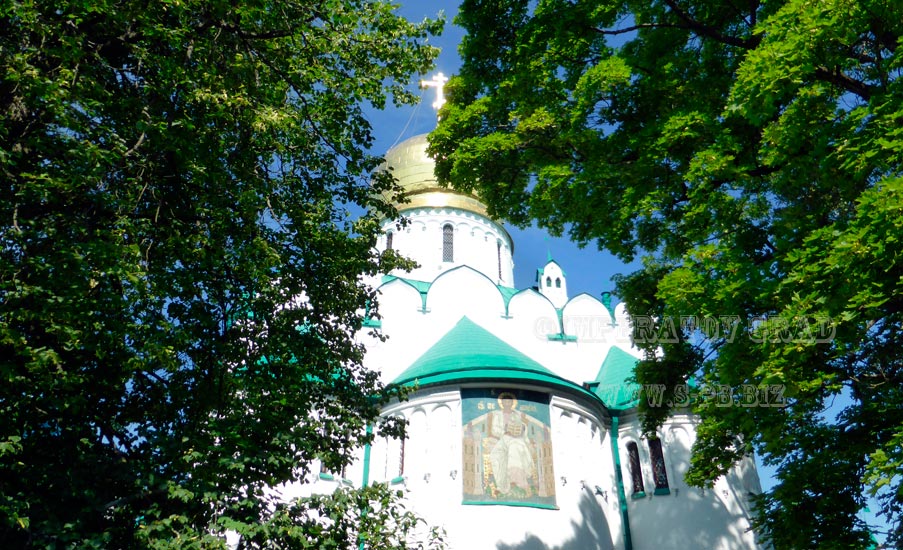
(752, 154)
(179, 267)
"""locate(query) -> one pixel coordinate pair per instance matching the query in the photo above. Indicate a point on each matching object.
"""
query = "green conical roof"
(470, 352)
(613, 383)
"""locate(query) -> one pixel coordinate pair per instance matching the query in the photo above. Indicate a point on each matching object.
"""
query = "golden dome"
(415, 172)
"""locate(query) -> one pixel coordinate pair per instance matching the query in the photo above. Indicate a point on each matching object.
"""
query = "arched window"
(636, 474)
(389, 240)
(659, 474)
(401, 458)
(448, 243)
(557, 282)
(395, 450)
(498, 254)
(548, 281)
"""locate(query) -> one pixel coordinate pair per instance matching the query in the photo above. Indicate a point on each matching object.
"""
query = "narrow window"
(659, 473)
(557, 282)
(448, 243)
(498, 254)
(389, 240)
(636, 474)
(548, 282)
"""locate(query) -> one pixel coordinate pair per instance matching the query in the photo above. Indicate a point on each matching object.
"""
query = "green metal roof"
(613, 383)
(470, 352)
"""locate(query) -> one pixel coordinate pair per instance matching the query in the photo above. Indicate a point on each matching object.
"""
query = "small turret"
(552, 283)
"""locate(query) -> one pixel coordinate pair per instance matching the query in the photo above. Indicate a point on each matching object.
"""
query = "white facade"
(475, 241)
(458, 328)
(552, 283)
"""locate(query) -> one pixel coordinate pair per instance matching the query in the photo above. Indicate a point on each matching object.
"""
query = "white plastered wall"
(478, 242)
(688, 517)
(582, 461)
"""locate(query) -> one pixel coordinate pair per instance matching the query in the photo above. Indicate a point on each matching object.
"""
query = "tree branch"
(626, 30)
(710, 32)
(837, 78)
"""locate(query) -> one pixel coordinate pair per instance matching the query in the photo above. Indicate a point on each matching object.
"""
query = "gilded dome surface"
(415, 172)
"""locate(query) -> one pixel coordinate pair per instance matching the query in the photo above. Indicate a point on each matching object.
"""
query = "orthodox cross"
(437, 82)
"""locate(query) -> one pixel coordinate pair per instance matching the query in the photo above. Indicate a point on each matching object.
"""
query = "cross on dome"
(438, 82)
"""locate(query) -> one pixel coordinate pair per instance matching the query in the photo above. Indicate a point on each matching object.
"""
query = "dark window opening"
(448, 243)
(389, 240)
(633, 464)
(659, 474)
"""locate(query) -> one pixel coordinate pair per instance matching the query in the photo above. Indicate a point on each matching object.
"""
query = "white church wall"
(465, 291)
(566, 460)
(386, 460)
(622, 316)
(417, 447)
(678, 444)
(531, 318)
(400, 313)
(475, 243)
(585, 317)
(398, 301)
(584, 519)
(687, 517)
(608, 489)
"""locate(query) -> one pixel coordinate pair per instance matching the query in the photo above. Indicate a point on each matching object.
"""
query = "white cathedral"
(523, 430)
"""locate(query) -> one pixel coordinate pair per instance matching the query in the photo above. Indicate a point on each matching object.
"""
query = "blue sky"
(588, 270)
